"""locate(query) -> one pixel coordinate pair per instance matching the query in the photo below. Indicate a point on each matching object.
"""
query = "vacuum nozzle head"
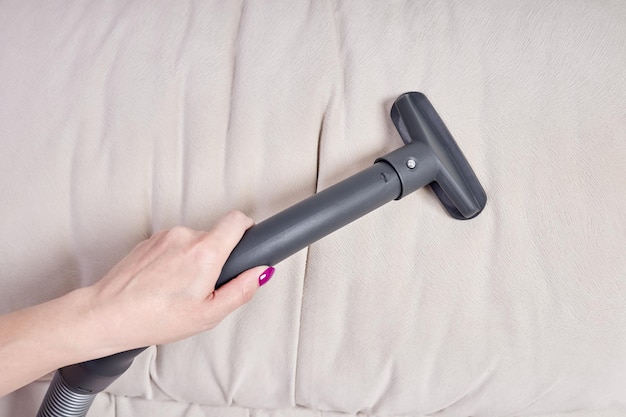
(431, 156)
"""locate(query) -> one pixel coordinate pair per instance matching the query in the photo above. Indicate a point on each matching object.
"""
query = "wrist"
(72, 328)
(90, 328)
(39, 339)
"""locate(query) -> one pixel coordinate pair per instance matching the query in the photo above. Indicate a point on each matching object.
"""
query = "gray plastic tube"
(295, 228)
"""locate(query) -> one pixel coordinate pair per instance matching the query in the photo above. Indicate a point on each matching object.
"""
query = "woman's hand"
(162, 291)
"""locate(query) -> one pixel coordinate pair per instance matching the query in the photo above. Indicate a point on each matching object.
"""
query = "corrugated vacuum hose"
(62, 401)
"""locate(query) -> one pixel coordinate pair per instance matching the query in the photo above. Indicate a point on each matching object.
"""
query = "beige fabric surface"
(120, 118)
(107, 405)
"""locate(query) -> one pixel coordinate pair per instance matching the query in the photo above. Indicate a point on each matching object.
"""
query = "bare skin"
(162, 291)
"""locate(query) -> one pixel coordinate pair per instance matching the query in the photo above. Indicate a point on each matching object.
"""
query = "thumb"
(239, 290)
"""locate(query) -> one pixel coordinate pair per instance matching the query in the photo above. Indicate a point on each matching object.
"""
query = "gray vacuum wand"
(430, 156)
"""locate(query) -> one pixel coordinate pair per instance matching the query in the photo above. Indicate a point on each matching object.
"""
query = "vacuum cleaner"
(429, 156)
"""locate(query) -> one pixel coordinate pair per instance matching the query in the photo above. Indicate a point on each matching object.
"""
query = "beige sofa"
(119, 118)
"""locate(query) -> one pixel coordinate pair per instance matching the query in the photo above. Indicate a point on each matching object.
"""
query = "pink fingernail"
(266, 276)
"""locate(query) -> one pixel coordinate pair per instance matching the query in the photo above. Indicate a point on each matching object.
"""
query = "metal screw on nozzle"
(411, 164)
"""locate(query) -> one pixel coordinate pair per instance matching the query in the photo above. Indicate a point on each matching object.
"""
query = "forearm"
(42, 338)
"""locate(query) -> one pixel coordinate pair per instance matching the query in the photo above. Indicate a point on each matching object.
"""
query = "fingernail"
(266, 276)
